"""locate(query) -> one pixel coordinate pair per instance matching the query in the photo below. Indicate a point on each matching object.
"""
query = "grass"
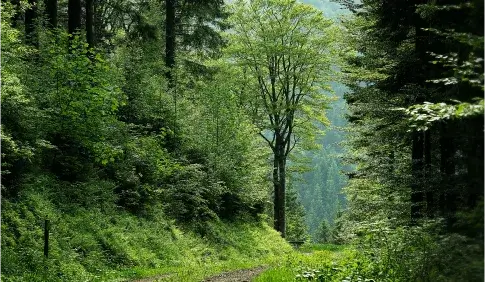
(104, 245)
(281, 268)
(308, 257)
(277, 274)
(322, 247)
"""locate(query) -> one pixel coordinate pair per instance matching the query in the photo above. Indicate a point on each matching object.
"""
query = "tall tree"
(285, 47)
(74, 16)
(90, 23)
(51, 11)
(170, 39)
(16, 14)
(421, 57)
(192, 26)
(30, 17)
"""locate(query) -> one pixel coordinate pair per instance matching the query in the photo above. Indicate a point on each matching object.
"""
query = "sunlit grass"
(312, 256)
(322, 247)
(242, 246)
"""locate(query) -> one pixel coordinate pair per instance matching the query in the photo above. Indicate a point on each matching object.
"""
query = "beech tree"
(284, 47)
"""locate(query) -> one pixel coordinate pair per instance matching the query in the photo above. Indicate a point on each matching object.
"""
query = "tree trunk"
(282, 197)
(447, 169)
(74, 14)
(30, 17)
(90, 23)
(279, 182)
(51, 12)
(17, 15)
(417, 193)
(170, 52)
(418, 138)
(170, 40)
(430, 203)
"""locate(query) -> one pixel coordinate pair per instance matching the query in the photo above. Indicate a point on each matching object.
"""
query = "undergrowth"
(105, 243)
(315, 263)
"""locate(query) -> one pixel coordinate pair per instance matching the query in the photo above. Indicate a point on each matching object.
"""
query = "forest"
(242, 140)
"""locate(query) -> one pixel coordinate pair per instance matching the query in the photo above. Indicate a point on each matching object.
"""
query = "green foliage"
(342, 265)
(296, 229)
(323, 233)
(94, 140)
(419, 253)
(264, 33)
(221, 134)
(466, 70)
(320, 188)
(82, 97)
(90, 243)
(145, 169)
(403, 201)
(20, 134)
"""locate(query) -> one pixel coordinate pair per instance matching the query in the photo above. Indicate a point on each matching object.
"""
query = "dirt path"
(243, 275)
(153, 279)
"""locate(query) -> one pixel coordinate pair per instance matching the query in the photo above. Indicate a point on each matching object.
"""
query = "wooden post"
(46, 238)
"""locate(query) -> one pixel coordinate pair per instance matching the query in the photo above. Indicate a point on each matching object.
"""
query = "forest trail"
(153, 278)
(241, 275)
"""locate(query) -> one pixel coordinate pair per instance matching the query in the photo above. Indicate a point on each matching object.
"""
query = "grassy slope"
(105, 244)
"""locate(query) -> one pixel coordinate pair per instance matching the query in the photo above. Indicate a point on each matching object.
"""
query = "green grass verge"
(111, 245)
(238, 256)
(309, 257)
(322, 247)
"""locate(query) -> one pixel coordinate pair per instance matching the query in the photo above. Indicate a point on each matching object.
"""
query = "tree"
(30, 18)
(74, 14)
(444, 48)
(170, 39)
(284, 46)
(90, 23)
(323, 233)
(190, 25)
(51, 11)
(297, 229)
(20, 129)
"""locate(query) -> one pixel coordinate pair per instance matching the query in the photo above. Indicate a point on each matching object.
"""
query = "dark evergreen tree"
(31, 15)
(51, 12)
(74, 16)
(89, 7)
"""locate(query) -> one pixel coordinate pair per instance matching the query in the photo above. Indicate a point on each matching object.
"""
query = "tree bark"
(279, 182)
(447, 169)
(74, 14)
(51, 11)
(417, 193)
(418, 138)
(90, 23)
(430, 203)
(30, 17)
